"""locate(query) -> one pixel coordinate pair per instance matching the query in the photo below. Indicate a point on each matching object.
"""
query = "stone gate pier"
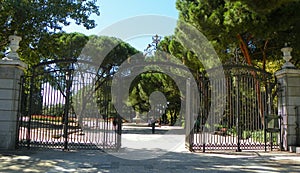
(289, 102)
(11, 70)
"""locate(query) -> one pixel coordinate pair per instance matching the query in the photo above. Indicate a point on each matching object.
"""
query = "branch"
(244, 49)
(3, 43)
(264, 54)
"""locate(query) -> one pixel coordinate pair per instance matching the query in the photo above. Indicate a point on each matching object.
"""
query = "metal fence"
(66, 104)
(241, 101)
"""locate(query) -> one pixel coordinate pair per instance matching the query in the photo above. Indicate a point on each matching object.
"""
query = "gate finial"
(287, 56)
(14, 46)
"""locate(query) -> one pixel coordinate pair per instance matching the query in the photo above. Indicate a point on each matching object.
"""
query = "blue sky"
(116, 11)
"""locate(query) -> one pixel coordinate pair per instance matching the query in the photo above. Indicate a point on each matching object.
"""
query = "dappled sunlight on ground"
(97, 161)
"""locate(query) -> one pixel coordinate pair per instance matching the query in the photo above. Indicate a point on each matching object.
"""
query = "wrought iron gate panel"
(239, 124)
(66, 105)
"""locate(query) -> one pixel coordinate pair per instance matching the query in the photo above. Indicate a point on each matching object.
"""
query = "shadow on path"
(97, 161)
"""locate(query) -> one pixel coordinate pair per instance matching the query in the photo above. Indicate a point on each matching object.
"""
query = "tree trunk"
(244, 49)
(246, 54)
(264, 54)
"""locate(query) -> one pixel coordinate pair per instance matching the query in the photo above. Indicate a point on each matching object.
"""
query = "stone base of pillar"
(294, 149)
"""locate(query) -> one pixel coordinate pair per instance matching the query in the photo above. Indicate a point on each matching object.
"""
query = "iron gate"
(66, 104)
(238, 121)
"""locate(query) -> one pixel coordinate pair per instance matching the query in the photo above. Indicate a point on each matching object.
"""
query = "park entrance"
(65, 104)
(236, 112)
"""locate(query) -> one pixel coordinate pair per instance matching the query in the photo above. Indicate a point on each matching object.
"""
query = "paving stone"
(177, 162)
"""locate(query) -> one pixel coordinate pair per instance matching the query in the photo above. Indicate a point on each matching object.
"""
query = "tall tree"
(107, 53)
(247, 31)
(236, 26)
(35, 19)
(265, 6)
(147, 83)
(61, 46)
(104, 56)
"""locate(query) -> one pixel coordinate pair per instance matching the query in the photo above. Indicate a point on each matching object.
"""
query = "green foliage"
(264, 27)
(35, 20)
(182, 54)
(110, 51)
(147, 83)
(56, 110)
(62, 46)
(264, 6)
(50, 119)
(106, 54)
(101, 58)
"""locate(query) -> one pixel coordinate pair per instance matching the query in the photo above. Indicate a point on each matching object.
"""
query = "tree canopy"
(253, 31)
(147, 83)
(35, 19)
(56, 46)
(264, 6)
(107, 53)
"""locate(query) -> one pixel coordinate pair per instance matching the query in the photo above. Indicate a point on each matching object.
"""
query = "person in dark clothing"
(153, 125)
(115, 123)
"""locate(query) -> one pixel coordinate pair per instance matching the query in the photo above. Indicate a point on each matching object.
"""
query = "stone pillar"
(289, 98)
(11, 70)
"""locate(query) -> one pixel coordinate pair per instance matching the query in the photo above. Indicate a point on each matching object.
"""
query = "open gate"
(66, 104)
(243, 119)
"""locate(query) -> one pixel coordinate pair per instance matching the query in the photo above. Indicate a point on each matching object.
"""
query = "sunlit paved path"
(96, 161)
(147, 153)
